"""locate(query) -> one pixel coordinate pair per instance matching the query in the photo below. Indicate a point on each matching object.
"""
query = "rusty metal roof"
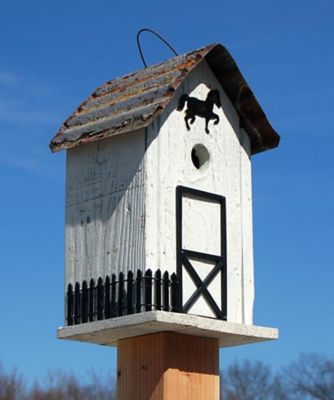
(135, 100)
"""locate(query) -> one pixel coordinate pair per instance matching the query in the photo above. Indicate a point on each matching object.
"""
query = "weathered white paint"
(201, 222)
(247, 229)
(108, 332)
(105, 208)
(168, 164)
(120, 200)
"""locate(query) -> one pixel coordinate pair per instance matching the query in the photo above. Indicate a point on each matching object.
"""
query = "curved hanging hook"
(158, 36)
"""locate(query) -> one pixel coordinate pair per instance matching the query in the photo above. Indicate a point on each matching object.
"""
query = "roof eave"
(252, 118)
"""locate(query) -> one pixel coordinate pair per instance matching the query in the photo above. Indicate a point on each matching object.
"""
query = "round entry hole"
(200, 156)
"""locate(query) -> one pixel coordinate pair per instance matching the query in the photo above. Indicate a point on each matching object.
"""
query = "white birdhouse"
(158, 229)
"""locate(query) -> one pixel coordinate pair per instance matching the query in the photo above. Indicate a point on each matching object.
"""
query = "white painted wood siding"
(105, 207)
(247, 271)
(169, 164)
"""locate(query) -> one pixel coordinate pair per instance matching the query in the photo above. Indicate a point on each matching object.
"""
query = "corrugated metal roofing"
(135, 100)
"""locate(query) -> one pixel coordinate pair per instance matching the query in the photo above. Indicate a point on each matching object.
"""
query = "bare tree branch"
(311, 377)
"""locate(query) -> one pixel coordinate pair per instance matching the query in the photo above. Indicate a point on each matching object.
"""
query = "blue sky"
(54, 54)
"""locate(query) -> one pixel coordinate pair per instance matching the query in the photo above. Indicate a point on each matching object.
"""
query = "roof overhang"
(132, 102)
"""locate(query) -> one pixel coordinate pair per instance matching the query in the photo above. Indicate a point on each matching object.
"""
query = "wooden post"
(168, 366)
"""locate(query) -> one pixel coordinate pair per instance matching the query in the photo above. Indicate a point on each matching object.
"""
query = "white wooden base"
(110, 331)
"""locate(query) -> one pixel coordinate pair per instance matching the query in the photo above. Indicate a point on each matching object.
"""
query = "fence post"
(107, 310)
(165, 291)
(138, 290)
(174, 293)
(84, 302)
(113, 296)
(148, 290)
(69, 305)
(100, 298)
(120, 293)
(77, 303)
(157, 289)
(92, 300)
(129, 289)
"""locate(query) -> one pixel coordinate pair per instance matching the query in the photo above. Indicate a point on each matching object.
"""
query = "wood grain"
(168, 366)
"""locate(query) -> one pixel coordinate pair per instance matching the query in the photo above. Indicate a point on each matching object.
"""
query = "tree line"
(311, 377)
(56, 386)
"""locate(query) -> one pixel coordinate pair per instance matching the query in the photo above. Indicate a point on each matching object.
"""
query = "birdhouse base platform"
(110, 331)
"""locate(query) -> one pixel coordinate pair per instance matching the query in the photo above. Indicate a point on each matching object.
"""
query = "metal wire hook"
(158, 36)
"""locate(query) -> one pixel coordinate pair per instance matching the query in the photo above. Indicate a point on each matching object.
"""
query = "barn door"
(201, 252)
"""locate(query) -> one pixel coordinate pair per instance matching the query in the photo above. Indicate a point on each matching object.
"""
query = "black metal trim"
(202, 287)
(200, 256)
(130, 294)
(183, 255)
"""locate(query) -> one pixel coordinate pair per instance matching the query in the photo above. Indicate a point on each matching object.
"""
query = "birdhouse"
(158, 234)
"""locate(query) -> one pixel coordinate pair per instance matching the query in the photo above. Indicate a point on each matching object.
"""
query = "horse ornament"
(200, 108)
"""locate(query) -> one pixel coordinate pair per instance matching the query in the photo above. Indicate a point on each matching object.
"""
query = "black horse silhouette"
(200, 108)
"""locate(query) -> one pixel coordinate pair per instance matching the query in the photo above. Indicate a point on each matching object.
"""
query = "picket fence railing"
(112, 297)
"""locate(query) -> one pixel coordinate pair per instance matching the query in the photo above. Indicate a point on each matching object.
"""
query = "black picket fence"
(111, 297)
